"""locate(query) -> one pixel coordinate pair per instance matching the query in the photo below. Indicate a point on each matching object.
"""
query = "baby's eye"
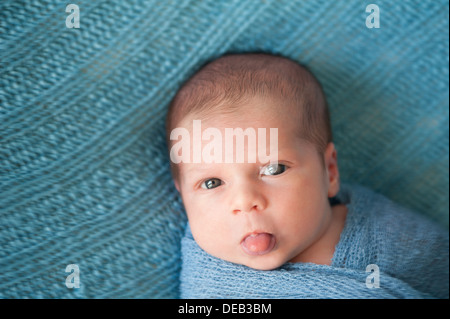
(211, 183)
(273, 169)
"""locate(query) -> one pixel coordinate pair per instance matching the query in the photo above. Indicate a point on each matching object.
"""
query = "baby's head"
(256, 213)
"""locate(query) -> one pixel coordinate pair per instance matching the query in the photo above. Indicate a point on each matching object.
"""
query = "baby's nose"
(248, 200)
(253, 208)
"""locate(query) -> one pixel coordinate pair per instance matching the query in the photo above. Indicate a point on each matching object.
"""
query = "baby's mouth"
(258, 243)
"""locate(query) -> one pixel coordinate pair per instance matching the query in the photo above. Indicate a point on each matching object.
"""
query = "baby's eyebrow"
(196, 169)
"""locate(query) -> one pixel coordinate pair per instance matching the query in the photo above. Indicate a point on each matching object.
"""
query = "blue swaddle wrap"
(412, 255)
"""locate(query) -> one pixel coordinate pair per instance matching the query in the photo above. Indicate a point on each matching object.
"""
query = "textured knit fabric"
(411, 253)
(84, 171)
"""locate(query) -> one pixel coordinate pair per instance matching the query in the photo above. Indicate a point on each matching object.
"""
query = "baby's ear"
(332, 169)
(175, 176)
(177, 185)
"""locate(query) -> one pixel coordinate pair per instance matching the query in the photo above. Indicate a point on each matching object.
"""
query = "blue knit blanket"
(385, 251)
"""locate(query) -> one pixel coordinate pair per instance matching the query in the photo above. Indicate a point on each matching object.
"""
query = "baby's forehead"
(255, 112)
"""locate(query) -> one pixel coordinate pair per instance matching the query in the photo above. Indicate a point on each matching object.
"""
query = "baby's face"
(258, 214)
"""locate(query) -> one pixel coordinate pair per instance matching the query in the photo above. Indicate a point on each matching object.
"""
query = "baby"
(258, 213)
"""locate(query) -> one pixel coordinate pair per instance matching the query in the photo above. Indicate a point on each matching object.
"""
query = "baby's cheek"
(209, 228)
(217, 243)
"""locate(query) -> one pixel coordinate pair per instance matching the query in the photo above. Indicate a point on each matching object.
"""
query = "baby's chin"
(264, 265)
(260, 262)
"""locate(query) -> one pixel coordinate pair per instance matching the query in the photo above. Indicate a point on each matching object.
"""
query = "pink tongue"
(258, 242)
